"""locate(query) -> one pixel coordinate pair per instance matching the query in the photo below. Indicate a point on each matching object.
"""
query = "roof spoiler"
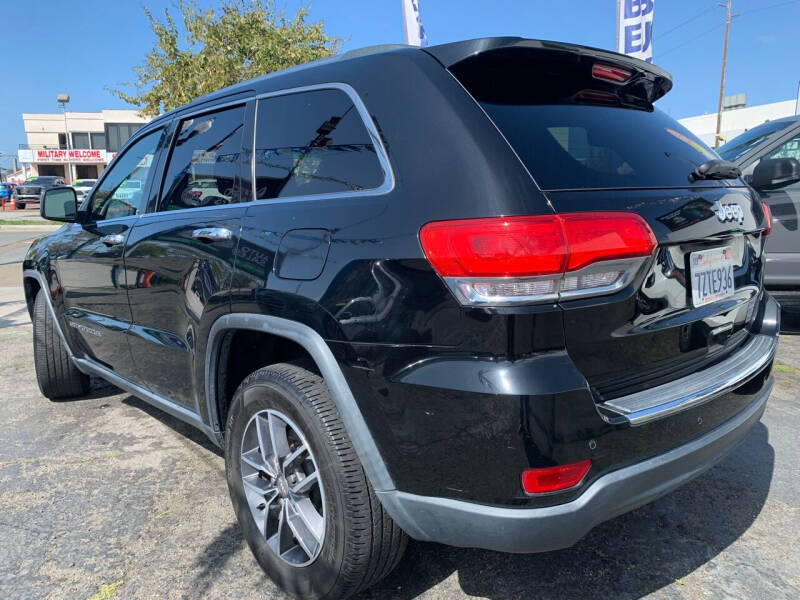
(647, 82)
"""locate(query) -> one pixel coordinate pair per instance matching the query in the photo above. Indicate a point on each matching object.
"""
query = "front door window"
(122, 191)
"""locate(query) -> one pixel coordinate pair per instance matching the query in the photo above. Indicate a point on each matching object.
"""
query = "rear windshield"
(751, 138)
(582, 146)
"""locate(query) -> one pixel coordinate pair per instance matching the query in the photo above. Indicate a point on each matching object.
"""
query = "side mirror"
(774, 173)
(59, 204)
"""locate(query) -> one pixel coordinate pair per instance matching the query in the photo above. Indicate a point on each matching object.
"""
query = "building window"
(118, 133)
(98, 141)
(62, 141)
(80, 140)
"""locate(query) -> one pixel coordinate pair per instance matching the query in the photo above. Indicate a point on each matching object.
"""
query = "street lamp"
(62, 100)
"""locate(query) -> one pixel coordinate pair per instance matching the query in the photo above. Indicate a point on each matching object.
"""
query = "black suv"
(33, 189)
(481, 294)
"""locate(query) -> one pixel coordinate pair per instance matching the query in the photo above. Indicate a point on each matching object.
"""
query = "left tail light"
(514, 260)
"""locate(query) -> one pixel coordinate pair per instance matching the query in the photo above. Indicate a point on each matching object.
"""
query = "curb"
(29, 227)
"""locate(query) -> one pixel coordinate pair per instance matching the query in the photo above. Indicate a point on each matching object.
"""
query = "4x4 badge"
(729, 212)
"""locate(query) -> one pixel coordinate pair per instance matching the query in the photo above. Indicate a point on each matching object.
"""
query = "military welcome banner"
(635, 28)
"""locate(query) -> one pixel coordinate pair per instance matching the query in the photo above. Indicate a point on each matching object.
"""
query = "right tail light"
(514, 260)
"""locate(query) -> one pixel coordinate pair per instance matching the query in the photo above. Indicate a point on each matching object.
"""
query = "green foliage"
(216, 48)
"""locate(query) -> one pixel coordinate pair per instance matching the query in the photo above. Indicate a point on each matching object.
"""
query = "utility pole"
(62, 100)
(727, 6)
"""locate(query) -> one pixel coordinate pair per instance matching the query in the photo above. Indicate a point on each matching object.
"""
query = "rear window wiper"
(715, 169)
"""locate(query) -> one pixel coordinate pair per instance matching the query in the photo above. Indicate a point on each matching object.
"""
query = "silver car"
(769, 157)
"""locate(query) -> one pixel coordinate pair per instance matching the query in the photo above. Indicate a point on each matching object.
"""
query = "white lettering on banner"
(635, 28)
(63, 156)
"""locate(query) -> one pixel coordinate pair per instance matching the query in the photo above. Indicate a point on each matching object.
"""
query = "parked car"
(768, 156)
(33, 189)
(6, 190)
(83, 187)
(203, 192)
(482, 294)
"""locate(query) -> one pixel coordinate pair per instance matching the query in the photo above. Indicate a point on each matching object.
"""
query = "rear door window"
(311, 143)
(203, 168)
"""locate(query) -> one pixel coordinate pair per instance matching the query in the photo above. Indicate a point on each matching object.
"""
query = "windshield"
(739, 145)
(40, 179)
(574, 146)
(84, 183)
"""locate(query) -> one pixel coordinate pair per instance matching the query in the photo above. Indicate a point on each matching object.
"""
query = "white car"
(83, 187)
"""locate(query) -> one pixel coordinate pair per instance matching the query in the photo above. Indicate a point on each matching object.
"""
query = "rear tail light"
(610, 73)
(512, 260)
(767, 218)
(554, 479)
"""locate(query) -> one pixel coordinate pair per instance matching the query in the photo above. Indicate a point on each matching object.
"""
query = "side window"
(790, 149)
(203, 168)
(121, 192)
(313, 143)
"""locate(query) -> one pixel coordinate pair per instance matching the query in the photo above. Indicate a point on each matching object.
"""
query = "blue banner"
(635, 28)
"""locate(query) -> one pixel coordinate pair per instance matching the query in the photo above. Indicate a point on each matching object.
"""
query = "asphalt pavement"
(107, 497)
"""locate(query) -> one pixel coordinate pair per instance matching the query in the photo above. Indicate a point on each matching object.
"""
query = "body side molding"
(187, 415)
(363, 442)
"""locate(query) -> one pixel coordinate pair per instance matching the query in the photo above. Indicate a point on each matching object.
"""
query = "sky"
(81, 48)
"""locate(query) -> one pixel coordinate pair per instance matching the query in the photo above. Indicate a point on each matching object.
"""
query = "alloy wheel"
(283, 487)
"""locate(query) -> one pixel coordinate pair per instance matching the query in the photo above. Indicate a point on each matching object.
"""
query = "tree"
(214, 49)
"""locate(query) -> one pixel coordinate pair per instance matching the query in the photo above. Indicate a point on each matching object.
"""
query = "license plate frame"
(711, 275)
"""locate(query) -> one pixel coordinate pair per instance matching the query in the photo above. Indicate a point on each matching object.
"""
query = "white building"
(737, 120)
(94, 140)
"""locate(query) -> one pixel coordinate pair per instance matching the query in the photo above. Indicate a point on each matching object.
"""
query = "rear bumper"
(467, 524)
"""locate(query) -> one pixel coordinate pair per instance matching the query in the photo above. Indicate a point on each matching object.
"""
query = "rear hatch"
(583, 122)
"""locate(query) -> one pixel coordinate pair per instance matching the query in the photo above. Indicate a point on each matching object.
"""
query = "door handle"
(113, 239)
(212, 234)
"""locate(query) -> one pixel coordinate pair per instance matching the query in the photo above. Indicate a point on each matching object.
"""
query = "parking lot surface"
(106, 497)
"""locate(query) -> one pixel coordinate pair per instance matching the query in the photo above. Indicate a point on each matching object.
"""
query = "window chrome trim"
(380, 150)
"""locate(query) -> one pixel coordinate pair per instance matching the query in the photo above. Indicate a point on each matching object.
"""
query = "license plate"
(712, 275)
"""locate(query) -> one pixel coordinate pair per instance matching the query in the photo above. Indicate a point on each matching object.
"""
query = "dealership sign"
(62, 156)
(635, 28)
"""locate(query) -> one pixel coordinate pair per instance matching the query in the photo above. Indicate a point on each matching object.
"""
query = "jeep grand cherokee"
(483, 294)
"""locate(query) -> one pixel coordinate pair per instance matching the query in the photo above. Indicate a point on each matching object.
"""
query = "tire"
(19, 205)
(360, 544)
(55, 373)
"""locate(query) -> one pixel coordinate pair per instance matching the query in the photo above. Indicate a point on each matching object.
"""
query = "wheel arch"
(34, 282)
(32, 287)
(323, 358)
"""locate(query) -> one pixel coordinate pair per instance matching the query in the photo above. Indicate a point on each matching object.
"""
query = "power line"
(686, 22)
(752, 10)
(690, 40)
(718, 25)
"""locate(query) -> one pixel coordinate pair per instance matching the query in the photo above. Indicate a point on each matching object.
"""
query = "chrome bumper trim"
(697, 388)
